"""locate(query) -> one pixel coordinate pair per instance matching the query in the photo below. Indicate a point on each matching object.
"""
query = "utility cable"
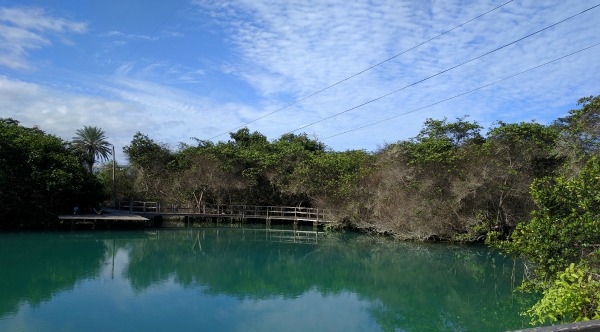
(444, 71)
(155, 31)
(462, 94)
(362, 71)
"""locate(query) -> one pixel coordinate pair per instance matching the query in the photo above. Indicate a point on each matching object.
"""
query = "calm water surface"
(234, 279)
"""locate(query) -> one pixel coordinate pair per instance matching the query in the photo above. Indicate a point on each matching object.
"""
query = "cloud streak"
(237, 60)
(24, 29)
(293, 48)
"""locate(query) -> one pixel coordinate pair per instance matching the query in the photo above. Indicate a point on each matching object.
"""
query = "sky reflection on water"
(239, 281)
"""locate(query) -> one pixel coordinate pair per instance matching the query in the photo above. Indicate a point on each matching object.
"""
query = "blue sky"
(196, 68)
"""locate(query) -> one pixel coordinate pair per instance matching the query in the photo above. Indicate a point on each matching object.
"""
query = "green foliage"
(439, 141)
(458, 133)
(40, 176)
(448, 182)
(331, 175)
(91, 143)
(564, 231)
(580, 135)
(566, 223)
(574, 296)
(247, 169)
(526, 147)
(124, 181)
(145, 153)
(581, 128)
(517, 154)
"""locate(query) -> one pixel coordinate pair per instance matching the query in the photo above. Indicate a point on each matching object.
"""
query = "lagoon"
(251, 279)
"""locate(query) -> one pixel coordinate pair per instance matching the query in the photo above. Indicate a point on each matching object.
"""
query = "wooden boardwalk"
(232, 212)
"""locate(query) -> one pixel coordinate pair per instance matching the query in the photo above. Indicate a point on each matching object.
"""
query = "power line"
(137, 48)
(192, 30)
(443, 71)
(155, 31)
(462, 94)
(362, 71)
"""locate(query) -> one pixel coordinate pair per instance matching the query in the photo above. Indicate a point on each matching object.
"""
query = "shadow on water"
(408, 286)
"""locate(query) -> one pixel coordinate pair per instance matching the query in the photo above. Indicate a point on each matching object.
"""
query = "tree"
(91, 142)
(562, 242)
(149, 161)
(40, 177)
(580, 134)
(331, 180)
(518, 153)
(565, 224)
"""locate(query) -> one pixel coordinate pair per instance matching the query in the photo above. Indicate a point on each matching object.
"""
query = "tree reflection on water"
(401, 286)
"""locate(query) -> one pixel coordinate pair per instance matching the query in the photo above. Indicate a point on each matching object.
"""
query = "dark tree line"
(40, 176)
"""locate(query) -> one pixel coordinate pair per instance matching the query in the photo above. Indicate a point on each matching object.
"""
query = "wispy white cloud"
(28, 28)
(290, 49)
(36, 19)
(280, 51)
(61, 113)
(127, 35)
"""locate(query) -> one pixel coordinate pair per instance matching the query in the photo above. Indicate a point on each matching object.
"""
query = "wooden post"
(114, 177)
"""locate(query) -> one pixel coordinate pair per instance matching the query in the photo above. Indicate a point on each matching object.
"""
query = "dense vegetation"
(561, 242)
(40, 177)
(530, 189)
(562, 245)
(450, 182)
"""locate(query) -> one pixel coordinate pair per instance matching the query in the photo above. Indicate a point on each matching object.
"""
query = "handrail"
(243, 211)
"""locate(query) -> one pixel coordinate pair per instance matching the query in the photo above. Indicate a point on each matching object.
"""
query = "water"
(234, 279)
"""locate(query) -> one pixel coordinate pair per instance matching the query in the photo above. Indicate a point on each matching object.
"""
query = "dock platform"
(108, 215)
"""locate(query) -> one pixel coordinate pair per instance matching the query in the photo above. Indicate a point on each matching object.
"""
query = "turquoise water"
(235, 279)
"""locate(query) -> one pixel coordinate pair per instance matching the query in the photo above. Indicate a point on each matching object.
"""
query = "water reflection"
(246, 279)
(34, 268)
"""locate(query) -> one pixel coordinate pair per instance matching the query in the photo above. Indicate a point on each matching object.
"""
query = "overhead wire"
(444, 71)
(362, 71)
(137, 47)
(192, 30)
(154, 32)
(461, 94)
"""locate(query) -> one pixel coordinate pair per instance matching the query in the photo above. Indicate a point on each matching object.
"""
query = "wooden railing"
(229, 211)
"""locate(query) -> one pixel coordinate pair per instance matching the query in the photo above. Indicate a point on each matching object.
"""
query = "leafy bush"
(560, 242)
(574, 296)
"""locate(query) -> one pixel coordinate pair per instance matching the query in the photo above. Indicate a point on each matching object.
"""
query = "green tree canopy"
(562, 245)
(91, 142)
(40, 176)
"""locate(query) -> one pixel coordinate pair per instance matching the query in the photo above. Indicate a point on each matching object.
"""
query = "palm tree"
(92, 143)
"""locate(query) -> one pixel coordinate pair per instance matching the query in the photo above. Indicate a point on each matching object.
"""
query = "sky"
(182, 69)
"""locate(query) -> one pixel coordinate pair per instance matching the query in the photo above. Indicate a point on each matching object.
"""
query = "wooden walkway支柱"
(233, 212)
